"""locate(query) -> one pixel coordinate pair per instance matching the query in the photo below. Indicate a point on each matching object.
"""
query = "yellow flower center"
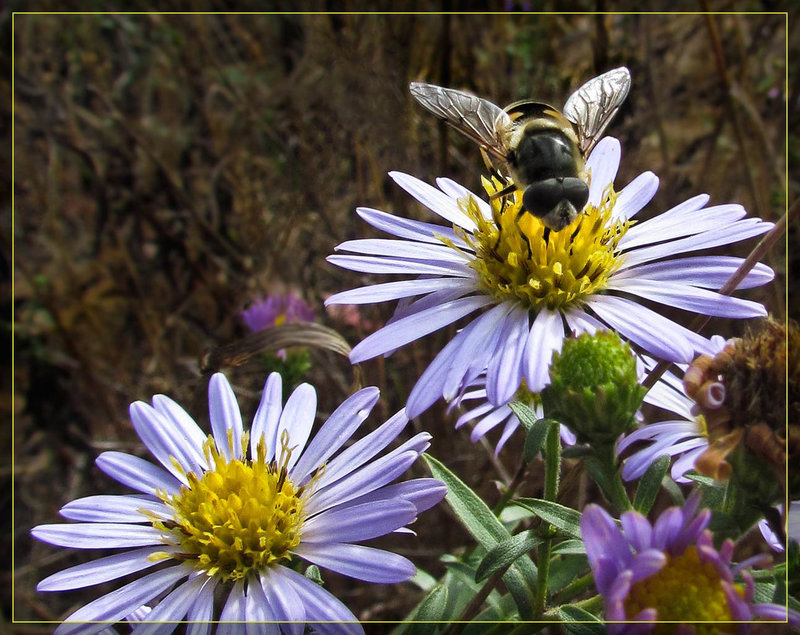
(519, 258)
(685, 590)
(238, 517)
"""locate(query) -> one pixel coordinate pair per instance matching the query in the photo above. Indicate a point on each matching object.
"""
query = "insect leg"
(522, 233)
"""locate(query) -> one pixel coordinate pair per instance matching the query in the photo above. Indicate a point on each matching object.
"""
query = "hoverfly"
(541, 149)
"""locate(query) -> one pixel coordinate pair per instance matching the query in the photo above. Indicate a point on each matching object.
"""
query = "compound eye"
(541, 197)
(576, 192)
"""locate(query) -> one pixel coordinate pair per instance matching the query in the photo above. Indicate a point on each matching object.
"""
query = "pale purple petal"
(233, 611)
(296, 420)
(159, 437)
(172, 608)
(668, 227)
(602, 166)
(378, 473)
(708, 272)
(682, 296)
(512, 423)
(225, 416)
(356, 561)
(473, 414)
(637, 530)
(321, 606)
(578, 322)
(358, 522)
(424, 493)
(101, 570)
(476, 348)
(603, 540)
(373, 264)
(336, 431)
(201, 612)
(487, 423)
(656, 334)
(187, 431)
(504, 372)
(407, 307)
(635, 196)
(408, 228)
(284, 600)
(265, 422)
(259, 611)
(113, 509)
(457, 191)
(399, 289)
(97, 535)
(423, 252)
(435, 200)
(416, 326)
(546, 336)
(137, 473)
(363, 450)
(117, 604)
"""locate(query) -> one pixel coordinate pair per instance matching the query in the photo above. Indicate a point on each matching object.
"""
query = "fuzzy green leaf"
(484, 527)
(505, 553)
(650, 484)
(566, 519)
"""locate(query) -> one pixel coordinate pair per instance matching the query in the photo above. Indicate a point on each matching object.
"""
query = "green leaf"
(713, 491)
(650, 483)
(535, 438)
(675, 493)
(526, 415)
(505, 553)
(423, 580)
(484, 527)
(566, 519)
(569, 547)
(564, 570)
(432, 609)
(572, 615)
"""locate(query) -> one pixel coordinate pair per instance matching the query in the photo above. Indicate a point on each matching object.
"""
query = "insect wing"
(592, 107)
(477, 118)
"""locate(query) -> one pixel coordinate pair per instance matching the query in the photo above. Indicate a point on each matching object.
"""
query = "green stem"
(551, 475)
(603, 469)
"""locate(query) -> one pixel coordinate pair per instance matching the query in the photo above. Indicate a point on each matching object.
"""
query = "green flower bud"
(594, 388)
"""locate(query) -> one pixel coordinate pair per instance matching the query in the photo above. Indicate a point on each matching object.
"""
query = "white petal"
(707, 272)
(415, 326)
(297, 419)
(224, 413)
(457, 191)
(202, 610)
(321, 606)
(258, 611)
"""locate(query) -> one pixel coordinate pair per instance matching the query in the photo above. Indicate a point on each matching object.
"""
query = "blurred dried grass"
(170, 168)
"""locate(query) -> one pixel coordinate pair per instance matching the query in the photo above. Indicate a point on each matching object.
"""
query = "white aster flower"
(228, 512)
(532, 289)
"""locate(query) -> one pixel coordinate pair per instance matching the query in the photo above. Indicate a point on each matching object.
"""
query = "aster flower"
(485, 416)
(644, 572)
(685, 437)
(532, 285)
(230, 511)
(276, 309)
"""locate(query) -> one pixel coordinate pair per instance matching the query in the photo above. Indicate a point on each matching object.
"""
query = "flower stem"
(551, 476)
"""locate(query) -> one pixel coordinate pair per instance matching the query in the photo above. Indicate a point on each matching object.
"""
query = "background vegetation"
(169, 169)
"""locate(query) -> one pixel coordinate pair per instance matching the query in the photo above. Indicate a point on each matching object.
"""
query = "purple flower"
(276, 309)
(792, 527)
(227, 512)
(531, 287)
(670, 571)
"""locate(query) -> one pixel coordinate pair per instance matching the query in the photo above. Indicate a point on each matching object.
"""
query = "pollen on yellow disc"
(684, 590)
(517, 257)
(241, 516)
